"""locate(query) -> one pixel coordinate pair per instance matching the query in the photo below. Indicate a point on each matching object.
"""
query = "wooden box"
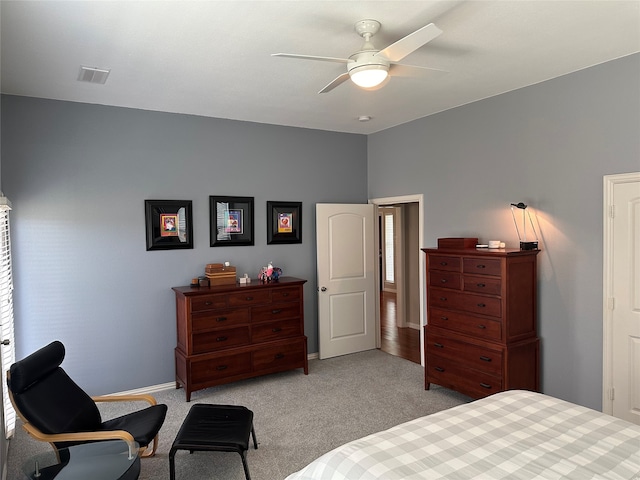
(457, 243)
(219, 274)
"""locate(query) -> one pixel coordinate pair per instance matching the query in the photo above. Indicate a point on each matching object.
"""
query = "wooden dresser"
(481, 332)
(232, 332)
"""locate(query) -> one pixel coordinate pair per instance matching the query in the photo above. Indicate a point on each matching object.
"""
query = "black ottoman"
(215, 428)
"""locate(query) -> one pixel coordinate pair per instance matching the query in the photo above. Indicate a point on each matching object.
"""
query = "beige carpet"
(297, 417)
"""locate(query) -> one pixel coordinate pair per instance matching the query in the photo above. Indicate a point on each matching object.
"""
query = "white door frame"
(607, 274)
(419, 199)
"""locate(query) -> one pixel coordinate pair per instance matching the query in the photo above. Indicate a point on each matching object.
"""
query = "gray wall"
(78, 176)
(548, 145)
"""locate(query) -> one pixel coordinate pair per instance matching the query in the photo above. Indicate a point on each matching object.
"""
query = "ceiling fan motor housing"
(377, 68)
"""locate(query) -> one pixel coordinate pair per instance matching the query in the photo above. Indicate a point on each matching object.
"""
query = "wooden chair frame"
(92, 436)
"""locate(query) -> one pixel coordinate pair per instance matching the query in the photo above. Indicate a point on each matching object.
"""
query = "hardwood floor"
(401, 342)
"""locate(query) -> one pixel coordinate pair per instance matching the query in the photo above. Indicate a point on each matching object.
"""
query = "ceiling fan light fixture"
(369, 76)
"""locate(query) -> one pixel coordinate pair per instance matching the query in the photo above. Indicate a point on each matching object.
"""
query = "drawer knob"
(439, 369)
(221, 367)
(221, 339)
(443, 299)
(444, 263)
(276, 330)
(278, 356)
(480, 285)
(485, 359)
(444, 318)
(285, 294)
(438, 345)
(221, 319)
(482, 326)
(248, 299)
(480, 266)
(276, 311)
(485, 385)
(208, 302)
(481, 305)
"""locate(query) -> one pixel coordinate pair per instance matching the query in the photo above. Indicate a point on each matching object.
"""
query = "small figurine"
(269, 273)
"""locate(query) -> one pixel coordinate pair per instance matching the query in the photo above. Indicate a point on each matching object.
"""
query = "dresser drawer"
(218, 319)
(444, 279)
(275, 311)
(450, 374)
(477, 327)
(467, 302)
(482, 266)
(285, 294)
(219, 367)
(444, 262)
(484, 359)
(252, 297)
(479, 284)
(219, 339)
(282, 357)
(265, 332)
(208, 302)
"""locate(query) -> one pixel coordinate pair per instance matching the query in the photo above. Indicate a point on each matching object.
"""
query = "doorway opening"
(400, 273)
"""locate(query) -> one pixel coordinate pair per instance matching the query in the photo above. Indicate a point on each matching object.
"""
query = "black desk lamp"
(525, 244)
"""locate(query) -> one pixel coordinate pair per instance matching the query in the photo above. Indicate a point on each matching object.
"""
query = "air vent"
(93, 75)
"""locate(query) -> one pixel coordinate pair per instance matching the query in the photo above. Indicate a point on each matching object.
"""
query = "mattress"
(510, 435)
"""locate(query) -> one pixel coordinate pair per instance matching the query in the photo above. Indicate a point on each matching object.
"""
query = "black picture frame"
(169, 224)
(230, 221)
(284, 222)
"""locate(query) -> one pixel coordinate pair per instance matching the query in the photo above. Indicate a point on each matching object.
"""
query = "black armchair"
(53, 408)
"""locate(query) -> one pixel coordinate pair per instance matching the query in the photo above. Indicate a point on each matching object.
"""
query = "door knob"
(323, 289)
(6, 342)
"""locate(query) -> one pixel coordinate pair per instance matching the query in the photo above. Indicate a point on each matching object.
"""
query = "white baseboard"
(148, 390)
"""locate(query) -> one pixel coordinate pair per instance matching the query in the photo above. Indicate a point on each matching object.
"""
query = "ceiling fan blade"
(311, 57)
(335, 82)
(402, 70)
(403, 47)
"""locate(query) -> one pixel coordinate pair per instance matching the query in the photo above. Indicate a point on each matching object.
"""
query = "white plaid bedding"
(511, 435)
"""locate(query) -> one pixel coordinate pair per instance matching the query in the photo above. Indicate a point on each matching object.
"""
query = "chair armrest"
(125, 398)
(83, 436)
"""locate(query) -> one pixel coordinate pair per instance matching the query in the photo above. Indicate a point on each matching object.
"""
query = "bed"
(510, 435)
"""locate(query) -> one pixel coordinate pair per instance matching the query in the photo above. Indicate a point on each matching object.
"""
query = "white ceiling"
(213, 58)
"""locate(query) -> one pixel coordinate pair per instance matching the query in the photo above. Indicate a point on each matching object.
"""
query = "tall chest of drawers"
(481, 332)
(232, 332)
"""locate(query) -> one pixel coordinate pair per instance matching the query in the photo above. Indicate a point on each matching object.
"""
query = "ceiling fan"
(368, 67)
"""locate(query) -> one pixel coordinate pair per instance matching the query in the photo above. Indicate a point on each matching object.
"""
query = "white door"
(623, 299)
(347, 295)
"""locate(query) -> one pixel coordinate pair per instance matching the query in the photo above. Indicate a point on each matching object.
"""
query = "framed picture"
(231, 221)
(284, 222)
(168, 224)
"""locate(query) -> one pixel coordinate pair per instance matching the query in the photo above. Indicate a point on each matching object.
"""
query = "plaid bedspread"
(511, 435)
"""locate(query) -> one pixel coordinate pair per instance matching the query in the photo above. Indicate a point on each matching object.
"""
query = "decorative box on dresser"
(481, 332)
(232, 332)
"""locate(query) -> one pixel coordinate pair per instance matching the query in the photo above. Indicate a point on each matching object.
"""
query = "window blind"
(6, 315)
(389, 248)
